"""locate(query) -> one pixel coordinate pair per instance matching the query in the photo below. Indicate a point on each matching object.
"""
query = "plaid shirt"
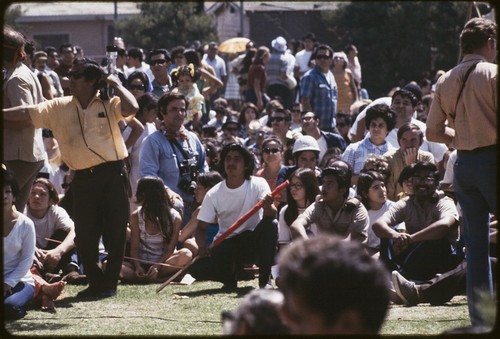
(321, 91)
(355, 154)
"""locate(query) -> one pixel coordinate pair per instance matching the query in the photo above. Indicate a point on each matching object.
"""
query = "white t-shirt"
(373, 241)
(18, 252)
(224, 206)
(55, 219)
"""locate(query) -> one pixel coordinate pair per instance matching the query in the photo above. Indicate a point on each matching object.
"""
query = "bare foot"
(47, 304)
(53, 291)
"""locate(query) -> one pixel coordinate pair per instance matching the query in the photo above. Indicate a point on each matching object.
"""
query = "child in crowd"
(204, 183)
(154, 234)
(184, 78)
(373, 194)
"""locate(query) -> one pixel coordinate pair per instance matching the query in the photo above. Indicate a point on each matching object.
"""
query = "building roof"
(76, 10)
(276, 6)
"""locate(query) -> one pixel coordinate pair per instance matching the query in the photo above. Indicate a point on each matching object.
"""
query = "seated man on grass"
(255, 240)
(428, 246)
(334, 212)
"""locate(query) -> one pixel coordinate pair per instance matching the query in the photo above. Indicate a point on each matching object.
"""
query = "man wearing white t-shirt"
(255, 240)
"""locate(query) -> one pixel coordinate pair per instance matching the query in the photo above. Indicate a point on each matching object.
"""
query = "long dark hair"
(308, 178)
(156, 205)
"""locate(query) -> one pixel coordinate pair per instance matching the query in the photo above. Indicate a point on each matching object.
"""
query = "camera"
(188, 172)
(105, 91)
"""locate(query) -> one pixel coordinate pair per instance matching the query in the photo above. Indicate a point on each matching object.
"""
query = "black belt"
(105, 166)
(479, 149)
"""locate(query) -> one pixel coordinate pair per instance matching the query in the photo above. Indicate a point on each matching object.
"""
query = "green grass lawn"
(192, 310)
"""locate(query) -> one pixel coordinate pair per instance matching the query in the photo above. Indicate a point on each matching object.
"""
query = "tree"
(166, 25)
(398, 41)
(11, 14)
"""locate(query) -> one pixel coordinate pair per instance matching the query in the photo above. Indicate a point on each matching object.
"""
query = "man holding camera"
(173, 153)
(86, 127)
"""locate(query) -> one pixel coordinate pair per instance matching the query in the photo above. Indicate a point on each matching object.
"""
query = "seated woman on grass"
(154, 234)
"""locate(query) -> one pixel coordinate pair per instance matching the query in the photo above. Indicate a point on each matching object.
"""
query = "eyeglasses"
(428, 180)
(277, 119)
(75, 74)
(158, 62)
(307, 118)
(270, 150)
(323, 56)
(296, 186)
(136, 87)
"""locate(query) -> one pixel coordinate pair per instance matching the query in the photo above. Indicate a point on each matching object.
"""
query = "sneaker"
(406, 290)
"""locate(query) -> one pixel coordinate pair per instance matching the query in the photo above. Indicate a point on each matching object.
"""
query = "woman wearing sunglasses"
(272, 160)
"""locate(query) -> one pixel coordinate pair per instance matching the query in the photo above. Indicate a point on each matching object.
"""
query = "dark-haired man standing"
(159, 62)
(467, 121)
(91, 144)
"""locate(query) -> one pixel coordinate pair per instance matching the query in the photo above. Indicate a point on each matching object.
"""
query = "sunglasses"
(137, 87)
(323, 56)
(231, 129)
(158, 62)
(270, 150)
(75, 74)
(277, 119)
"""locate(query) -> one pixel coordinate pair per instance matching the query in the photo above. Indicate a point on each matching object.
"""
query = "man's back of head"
(332, 286)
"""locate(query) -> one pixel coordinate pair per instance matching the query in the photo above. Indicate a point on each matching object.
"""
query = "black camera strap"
(175, 144)
(454, 113)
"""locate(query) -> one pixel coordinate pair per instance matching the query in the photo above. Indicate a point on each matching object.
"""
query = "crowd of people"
(170, 162)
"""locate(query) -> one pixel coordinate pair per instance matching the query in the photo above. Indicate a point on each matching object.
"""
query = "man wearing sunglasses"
(318, 89)
(159, 62)
(86, 127)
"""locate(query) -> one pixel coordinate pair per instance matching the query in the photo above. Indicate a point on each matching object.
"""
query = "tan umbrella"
(233, 45)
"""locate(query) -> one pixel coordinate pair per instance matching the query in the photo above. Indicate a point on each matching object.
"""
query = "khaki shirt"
(476, 113)
(86, 137)
(350, 221)
(22, 88)
(397, 163)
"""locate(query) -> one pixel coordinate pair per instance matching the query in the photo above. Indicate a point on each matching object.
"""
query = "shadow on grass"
(35, 325)
(241, 291)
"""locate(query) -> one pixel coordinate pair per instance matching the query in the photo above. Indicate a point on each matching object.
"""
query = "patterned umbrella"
(233, 45)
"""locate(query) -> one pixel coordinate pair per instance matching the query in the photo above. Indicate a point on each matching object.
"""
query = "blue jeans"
(14, 304)
(476, 190)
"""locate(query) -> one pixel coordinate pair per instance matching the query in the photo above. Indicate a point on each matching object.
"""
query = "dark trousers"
(69, 260)
(101, 208)
(283, 92)
(445, 286)
(420, 261)
(250, 247)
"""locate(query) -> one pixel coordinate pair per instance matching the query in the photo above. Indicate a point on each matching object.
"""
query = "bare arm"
(436, 230)
(298, 228)
(137, 129)
(128, 103)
